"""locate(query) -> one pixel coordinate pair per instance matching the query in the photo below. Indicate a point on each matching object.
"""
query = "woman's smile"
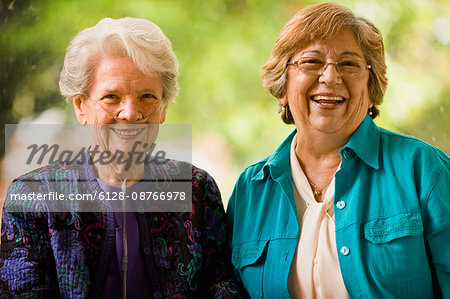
(327, 102)
(127, 134)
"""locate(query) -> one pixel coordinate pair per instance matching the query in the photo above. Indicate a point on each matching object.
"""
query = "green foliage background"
(221, 45)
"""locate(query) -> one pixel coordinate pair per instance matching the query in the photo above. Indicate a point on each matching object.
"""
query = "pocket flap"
(247, 253)
(383, 230)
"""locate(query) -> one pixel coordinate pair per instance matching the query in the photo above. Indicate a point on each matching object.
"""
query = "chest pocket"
(249, 258)
(396, 247)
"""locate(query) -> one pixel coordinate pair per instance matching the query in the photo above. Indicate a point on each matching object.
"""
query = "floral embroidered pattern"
(45, 254)
(193, 266)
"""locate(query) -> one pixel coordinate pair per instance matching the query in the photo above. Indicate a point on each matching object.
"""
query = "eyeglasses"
(345, 68)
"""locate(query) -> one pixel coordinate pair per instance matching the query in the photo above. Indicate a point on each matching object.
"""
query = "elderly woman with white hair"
(122, 74)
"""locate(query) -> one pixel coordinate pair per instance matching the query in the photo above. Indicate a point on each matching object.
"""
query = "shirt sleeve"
(437, 227)
(27, 267)
(222, 277)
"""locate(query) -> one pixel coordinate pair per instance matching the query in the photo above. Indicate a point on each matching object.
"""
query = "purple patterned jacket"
(66, 255)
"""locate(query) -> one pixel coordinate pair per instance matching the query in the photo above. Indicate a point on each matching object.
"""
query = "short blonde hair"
(319, 22)
(138, 39)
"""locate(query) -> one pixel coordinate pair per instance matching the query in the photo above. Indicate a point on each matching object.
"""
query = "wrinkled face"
(120, 94)
(121, 103)
(328, 102)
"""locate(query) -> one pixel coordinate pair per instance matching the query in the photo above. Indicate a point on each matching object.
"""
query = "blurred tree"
(432, 124)
(23, 59)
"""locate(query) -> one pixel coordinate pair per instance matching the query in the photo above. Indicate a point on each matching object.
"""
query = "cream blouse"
(315, 271)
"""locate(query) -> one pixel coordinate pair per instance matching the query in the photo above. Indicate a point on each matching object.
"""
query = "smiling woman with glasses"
(343, 208)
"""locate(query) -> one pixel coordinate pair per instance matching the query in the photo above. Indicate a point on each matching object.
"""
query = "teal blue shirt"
(392, 216)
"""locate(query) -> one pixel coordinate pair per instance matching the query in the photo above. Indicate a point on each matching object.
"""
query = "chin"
(327, 125)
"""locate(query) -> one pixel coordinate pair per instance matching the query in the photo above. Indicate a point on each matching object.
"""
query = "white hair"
(138, 39)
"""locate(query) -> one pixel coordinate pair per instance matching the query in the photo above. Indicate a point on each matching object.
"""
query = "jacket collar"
(365, 143)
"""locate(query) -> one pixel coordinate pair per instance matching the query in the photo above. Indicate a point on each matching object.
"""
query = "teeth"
(327, 98)
(127, 132)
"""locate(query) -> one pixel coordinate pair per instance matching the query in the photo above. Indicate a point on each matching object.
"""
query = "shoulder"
(46, 176)
(409, 149)
(249, 187)
(55, 171)
(255, 170)
(276, 164)
(410, 142)
(409, 157)
(204, 186)
(186, 171)
(201, 176)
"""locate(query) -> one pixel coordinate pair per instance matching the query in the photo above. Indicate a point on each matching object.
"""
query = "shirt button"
(140, 210)
(340, 204)
(347, 154)
(345, 250)
(147, 250)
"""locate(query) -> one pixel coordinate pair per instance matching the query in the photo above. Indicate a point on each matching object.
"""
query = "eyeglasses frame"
(323, 69)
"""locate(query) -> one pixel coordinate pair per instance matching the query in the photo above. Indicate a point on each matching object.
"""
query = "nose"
(129, 111)
(330, 74)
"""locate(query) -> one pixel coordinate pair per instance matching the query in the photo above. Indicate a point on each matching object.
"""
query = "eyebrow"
(151, 90)
(345, 53)
(313, 52)
(115, 91)
(350, 53)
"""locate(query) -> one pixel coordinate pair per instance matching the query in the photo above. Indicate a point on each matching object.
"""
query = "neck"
(319, 145)
(318, 155)
(114, 174)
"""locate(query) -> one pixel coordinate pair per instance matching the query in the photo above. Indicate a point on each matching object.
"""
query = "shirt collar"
(365, 143)
(277, 163)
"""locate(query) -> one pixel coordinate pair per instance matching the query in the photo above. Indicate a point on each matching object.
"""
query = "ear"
(283, 100)
(162, 116)
(78, 105)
